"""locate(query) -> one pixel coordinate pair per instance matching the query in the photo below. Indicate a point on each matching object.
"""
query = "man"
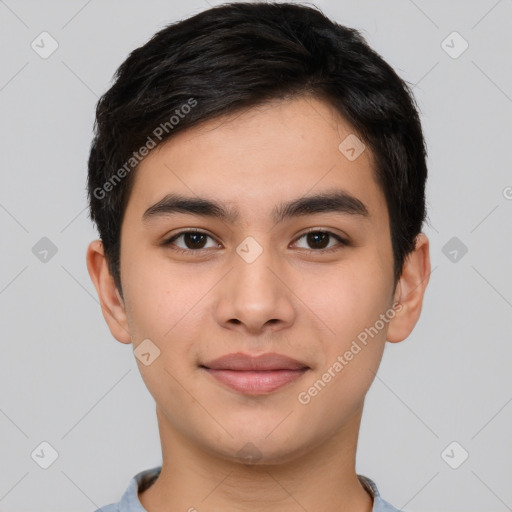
(258, 178)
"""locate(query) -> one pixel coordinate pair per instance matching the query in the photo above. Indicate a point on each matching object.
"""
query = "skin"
(306, 305)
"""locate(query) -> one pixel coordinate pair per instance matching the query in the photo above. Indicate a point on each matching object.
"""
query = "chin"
(258, 451)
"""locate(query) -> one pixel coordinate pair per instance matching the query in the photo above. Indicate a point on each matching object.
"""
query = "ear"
(410, 290)
(111, 302)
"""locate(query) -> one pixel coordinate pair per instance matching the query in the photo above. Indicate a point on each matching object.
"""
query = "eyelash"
(169, 242)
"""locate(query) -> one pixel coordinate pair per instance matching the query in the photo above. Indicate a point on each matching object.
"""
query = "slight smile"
(255, 375)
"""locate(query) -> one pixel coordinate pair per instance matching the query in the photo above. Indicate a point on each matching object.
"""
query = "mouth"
(255, 375)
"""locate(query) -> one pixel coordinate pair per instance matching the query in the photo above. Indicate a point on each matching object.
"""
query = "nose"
(255, 297)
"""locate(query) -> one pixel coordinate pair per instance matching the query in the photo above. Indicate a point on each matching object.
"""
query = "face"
(311, 283)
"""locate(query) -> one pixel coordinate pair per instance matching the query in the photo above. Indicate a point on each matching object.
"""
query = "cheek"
(349, 297)
(350, 301)
(160, 300)
(165, 306)
(158, 294)
(351, 355)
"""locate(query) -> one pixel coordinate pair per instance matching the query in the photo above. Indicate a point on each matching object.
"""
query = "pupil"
(313, 239)
(194, 237)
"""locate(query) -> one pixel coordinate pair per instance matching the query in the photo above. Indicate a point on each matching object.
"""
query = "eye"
(319, 240)
(193, 240)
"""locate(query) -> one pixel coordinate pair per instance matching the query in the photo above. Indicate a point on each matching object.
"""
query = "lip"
(255, 375)
(244, 362)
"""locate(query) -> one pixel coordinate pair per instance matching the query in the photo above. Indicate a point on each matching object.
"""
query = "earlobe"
(410, 291)
(111, 302)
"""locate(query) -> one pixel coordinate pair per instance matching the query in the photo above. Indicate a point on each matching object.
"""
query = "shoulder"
(379, 505)
(130, 501)
(113, 507)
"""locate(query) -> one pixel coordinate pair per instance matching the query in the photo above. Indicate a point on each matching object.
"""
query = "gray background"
(66, 381)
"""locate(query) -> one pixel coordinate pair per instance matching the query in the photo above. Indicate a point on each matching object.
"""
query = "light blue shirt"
(130, 502)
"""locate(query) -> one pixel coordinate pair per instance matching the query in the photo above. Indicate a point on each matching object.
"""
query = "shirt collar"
(144, 479)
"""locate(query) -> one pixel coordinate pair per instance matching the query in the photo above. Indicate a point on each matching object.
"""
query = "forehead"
(252, 160)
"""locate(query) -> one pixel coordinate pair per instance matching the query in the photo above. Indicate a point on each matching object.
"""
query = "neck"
(322, 478)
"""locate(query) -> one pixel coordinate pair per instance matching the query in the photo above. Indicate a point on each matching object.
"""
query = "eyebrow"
(337, 201)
